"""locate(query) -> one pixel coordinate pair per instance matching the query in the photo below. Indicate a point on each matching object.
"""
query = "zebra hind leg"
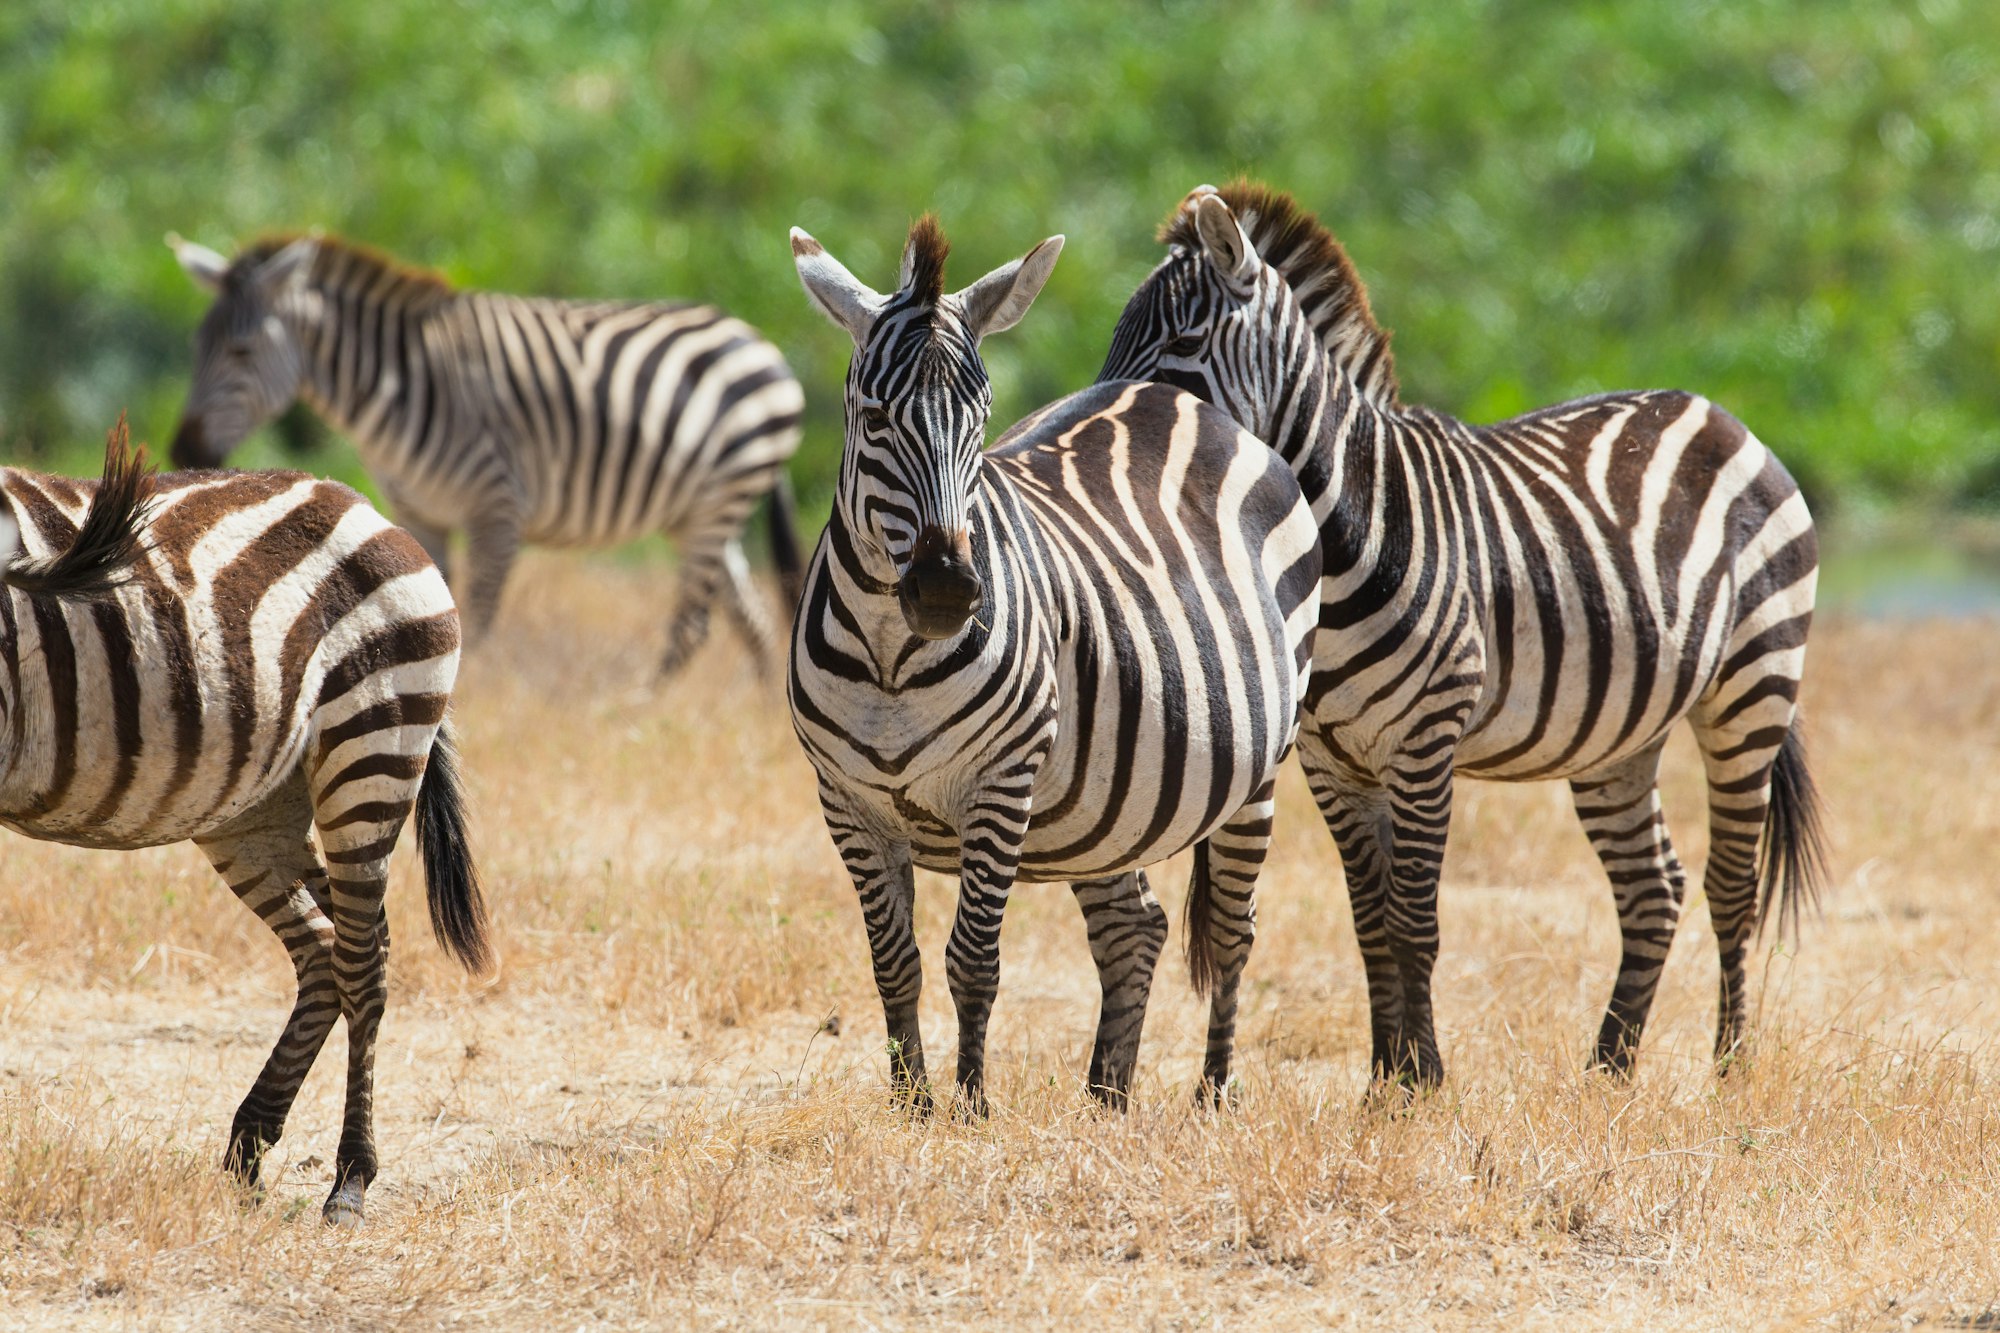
(268, 860)
(360, 811)
(704, 566)
(1127, 928)
(1222, 926)
(1620, 810)
(745, 606)
(1764, 849)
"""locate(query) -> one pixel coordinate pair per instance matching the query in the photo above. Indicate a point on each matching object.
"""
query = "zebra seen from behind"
(1542, 598)
(513, 419)
(1064, 658)
(242, 660)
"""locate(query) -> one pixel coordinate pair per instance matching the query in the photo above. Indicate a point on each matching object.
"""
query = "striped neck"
(360, 320)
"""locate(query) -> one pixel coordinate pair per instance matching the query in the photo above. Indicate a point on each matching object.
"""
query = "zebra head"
(1203, 319)
(248, 361)
(916, 407)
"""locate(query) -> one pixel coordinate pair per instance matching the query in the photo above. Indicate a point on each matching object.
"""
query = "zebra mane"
(112, 537)
(344, 263)
(1318, 271)
(923, 260)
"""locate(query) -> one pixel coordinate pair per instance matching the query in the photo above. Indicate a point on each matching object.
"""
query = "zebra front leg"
(492, 541)
(1420, 815)
(1222, 925)
(1127, 929)
(885, 882)
(270, 864)
(1620, 810)
(990, 836)
(1357, 815)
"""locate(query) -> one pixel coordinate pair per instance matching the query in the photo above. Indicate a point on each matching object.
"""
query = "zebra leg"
(1420, 813)
(990, 837)
(1222, 904)
(1357, 815)
(1127, 929)
(704, 566)
(268, 860)
(359, 834)
(492, 541)
(746, 609)
(886, 884)
(1740, 742)
(1620, 810)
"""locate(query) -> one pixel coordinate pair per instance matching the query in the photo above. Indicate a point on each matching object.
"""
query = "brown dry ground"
(642, 1119)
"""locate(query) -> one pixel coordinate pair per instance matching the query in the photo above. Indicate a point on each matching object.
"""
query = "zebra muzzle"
(940, 590)
(190, 447)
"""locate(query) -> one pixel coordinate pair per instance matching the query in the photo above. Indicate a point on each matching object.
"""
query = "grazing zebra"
(236, 659)
(1542, 598)
(516, 419)
(1064, 658)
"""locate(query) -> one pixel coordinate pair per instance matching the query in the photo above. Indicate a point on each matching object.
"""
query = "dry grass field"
(667, 1108)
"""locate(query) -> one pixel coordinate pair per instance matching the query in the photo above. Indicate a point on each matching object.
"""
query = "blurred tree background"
(1792, 207)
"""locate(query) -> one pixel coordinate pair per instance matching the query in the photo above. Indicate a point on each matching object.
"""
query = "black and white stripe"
(513, 419)
(1542, 598)
(240, 660)
(1061, 659)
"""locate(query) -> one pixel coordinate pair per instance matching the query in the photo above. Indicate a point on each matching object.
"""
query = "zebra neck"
(369, 368)
(1330, 434)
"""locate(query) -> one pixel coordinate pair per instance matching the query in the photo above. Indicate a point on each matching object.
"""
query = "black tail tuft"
(785, 554)
(112, 538)
(458, 911)
(1199, 914)
(1791, 857)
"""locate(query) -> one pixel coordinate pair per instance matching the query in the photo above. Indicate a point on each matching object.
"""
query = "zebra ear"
(289, 265)
(202, 264)
(1223, 237)
(840, 296)
(997, 301)
(10, 540)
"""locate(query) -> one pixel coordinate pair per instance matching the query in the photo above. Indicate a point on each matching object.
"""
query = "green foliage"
(1794, 208)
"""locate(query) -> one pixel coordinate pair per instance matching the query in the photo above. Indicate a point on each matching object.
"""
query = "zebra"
(516, 419)
(1541, 598)
(236, 660)
(1064, 658)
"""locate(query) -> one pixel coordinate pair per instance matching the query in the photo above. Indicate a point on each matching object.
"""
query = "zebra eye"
(1187, 344)
(875, 419)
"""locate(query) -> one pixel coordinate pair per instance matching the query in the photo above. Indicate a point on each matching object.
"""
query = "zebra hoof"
(343, 1207)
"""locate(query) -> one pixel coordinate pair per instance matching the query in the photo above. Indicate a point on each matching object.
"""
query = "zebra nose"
(940, 590)
(190, 448)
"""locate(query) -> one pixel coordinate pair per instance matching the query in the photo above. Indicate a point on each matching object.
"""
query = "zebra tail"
(458, 910)
(1200, 913)
(111, 540)
(1791, 856)
(784, 525)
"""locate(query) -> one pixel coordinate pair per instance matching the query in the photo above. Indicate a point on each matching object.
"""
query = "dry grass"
(642, 1119)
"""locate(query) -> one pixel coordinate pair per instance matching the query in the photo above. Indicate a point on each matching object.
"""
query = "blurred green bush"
(1792, 207)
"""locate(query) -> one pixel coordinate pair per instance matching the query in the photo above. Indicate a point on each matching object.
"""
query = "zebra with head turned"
(1064, 658)
(1542, 598)
(238, 660)
(515, 419)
